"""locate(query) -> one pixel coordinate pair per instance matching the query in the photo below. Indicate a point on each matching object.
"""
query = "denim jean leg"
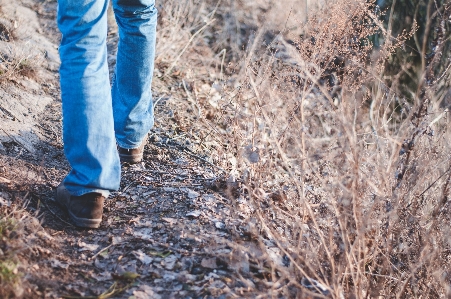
(88, 125)
(132, 95)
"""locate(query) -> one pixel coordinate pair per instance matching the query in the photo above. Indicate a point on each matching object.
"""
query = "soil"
(171, 231)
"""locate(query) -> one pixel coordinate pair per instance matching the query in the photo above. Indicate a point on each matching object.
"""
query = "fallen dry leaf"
(209, 263)
(57, 264)
(142, 257)
(171, 221)
(87, 247)
(194, 214)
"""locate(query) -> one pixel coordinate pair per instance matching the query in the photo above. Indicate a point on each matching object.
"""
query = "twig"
(202, 159)
(374, 274)
(433, 183)
(101, 250)
(28, 149)
(439, 117)
(107, 294)
(4, 180)
(156, 102)
(190, 98)
(8, 113)
(54, 214)
(186, 46)
(221, 75)
(128, 186)
(189, 152)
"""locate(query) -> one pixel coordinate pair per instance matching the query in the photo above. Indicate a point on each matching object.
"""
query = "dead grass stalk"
(338, 172)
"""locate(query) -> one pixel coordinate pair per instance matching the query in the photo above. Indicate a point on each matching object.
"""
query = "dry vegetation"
(9, 278)
(18, 57)
(330, 156)
(340, 169)
(19, 232)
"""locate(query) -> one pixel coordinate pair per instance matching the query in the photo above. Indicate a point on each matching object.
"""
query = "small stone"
(209, 263)
(197, 271)
(169, 262)
(193, 214)
(192, 194)
(155, 138)
(219, 225)
(87, 247)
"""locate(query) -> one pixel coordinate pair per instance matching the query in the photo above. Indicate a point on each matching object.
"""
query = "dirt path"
(164, 225)
(166, 234)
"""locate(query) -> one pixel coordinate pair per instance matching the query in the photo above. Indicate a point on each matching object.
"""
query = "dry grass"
(17, 58)
(11, 228)
(17, 62)
(345, 176)
(343, 180)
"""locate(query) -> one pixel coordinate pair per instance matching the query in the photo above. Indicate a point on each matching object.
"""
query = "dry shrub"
(364, 211)
(181, 25)
(17, 58)
(339, 173)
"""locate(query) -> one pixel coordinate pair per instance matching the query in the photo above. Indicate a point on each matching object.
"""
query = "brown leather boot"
(85, 210)
(134, 155)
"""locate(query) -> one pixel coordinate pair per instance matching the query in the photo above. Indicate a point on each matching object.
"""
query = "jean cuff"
(83, 191)
(134, 146)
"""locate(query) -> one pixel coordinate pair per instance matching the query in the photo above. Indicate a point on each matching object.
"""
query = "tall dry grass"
(340, 173)
(17, 58)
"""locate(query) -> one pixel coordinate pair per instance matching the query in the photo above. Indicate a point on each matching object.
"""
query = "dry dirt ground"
(169, 232)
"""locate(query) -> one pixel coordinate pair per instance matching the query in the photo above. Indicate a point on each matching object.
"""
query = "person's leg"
(132, 95)
(88, 126)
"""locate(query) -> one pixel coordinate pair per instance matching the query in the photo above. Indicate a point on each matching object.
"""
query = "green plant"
(10, 245)
(7, 225)
(9, 275)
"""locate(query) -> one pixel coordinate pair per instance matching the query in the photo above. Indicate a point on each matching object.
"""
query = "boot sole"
(131, 159)
(84, 222)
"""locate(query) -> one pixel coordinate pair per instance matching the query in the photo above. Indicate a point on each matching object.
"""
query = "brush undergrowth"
(343, 168)
(10, 245)
(17, 58)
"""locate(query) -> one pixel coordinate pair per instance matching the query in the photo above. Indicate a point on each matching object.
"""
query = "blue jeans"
(96, 116)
